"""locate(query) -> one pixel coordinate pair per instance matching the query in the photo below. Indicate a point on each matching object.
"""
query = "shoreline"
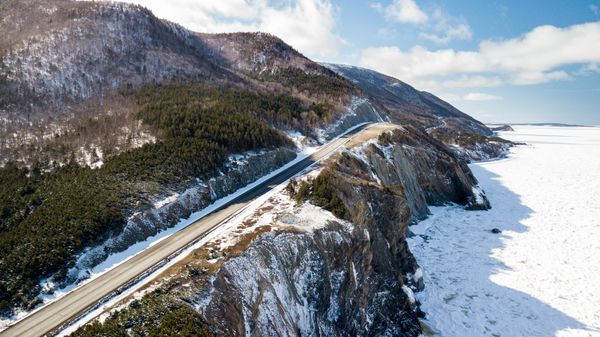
(519, 282)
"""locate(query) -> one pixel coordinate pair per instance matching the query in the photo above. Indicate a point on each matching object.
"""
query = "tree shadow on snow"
(456, 254)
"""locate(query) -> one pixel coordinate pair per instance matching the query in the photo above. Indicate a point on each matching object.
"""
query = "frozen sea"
(541, 275)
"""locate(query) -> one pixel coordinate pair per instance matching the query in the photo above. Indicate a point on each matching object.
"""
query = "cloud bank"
(447, 28)
(436, 25)
(538, 56)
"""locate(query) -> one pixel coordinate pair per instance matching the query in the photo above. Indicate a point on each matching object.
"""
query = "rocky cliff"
(297, 270)
(352, 277)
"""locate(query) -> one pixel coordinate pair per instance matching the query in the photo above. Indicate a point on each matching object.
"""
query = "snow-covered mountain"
(76, 78)
(65, 62)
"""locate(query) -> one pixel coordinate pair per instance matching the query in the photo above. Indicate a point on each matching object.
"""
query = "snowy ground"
(541, 275)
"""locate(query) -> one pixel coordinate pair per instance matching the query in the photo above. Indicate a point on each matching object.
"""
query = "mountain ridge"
(406, 103)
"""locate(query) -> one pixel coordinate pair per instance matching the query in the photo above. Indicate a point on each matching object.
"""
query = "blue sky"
(499, 60)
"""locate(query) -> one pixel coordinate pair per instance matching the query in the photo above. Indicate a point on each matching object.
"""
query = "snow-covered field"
(541, 275)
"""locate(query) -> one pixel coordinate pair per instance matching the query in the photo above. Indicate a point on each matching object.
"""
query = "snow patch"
(409, 293)
(418, 275)
(166, 201)
(479, 195)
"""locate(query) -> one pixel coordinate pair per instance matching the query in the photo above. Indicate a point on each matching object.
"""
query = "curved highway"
(59, 313)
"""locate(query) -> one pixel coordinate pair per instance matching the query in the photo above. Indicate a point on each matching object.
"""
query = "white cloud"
(472, 96)
(535, 57)
(476, 81)
(447, 28)
(308, 25)
(462, 31)
(457, 82)
(404, 11)
(437, 26)
(588, 69)
(478, 96)
(546, 47)
(419, 62)
(536, 77)
(376, 6)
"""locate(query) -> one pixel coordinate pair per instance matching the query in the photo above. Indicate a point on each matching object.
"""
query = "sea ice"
(540, 276)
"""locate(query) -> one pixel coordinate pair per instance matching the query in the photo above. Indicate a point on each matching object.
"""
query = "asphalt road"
(57, 314)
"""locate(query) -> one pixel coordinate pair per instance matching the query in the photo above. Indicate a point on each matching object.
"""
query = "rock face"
(342, 280)
(150, 222)
(488, 149)
(427, 172)
(352, 277)
(361, 110)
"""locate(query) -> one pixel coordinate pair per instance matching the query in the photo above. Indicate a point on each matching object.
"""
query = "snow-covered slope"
(89, 50)
(68, 66)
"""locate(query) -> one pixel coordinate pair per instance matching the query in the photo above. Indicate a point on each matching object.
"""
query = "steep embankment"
(293, 269)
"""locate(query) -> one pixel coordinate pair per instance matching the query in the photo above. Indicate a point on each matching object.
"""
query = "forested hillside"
(48, 217)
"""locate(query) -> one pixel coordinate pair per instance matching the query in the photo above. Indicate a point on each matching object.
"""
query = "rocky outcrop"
(472, 147)
(426, 170)
(489, 149)
(352, 277)
(345, 279)
(407, 105)
(504, 127)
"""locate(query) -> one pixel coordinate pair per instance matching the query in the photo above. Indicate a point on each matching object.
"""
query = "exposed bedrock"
(149, 222)
(353, 277)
